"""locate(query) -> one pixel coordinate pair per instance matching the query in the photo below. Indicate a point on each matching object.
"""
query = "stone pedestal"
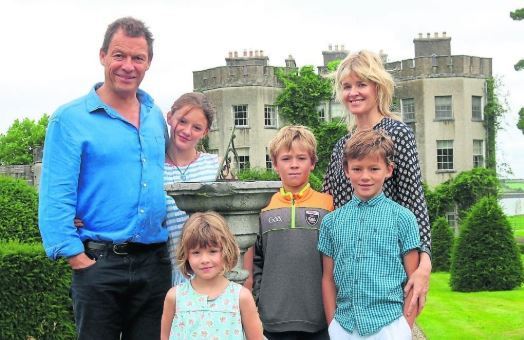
(238, 202)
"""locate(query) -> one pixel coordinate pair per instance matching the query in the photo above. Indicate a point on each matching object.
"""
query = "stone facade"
(29, 173)
(433, 81)
(435, 75)
(245, 89)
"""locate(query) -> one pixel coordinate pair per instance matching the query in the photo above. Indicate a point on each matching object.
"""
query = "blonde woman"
(366, 90)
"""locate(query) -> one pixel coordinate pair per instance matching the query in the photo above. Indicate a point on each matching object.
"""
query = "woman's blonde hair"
(206, 229)
(367, 66)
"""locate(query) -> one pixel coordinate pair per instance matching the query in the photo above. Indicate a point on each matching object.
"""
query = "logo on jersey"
(274, 219)
(312, 217)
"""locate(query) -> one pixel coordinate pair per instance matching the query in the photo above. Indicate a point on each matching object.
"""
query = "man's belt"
(122, 248)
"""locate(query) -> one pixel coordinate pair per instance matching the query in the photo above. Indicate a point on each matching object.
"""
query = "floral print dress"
(198, 317)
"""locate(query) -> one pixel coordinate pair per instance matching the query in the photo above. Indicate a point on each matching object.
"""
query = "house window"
(243, 162)
(322, 115)
(269, 165)
(476, 108)
(452, 218)
(240, 114)
(270, 116)
(445, 155)
(443, 108)
(408, 110)
(478, 153)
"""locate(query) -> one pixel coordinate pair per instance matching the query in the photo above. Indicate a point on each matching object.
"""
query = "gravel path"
(417, 333)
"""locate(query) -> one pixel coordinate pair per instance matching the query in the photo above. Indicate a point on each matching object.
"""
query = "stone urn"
(239, 202)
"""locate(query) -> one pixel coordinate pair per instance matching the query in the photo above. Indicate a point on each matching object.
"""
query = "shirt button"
(145, 185)
(141, 211)
(143, 160)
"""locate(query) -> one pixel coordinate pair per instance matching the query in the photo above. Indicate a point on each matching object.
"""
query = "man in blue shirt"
(103, 163)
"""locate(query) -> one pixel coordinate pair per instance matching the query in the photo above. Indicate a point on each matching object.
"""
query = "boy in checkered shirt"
(369, 249)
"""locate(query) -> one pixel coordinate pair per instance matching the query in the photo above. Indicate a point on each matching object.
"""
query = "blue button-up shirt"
(102, 169)
(367, 240)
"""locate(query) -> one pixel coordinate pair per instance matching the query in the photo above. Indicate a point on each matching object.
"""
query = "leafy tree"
(441, 245)
(18, 212)
(486, 256)
(259, 174)
(333, 65)
(303, 92)
(470, 186)
(518, 15)
(327, 134)
(520, 123)
(439, 200)
(18, 143)
(492, 116)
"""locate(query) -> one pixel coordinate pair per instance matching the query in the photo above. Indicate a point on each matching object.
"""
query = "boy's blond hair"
(290, 134)
(369, 142)
(206, 229)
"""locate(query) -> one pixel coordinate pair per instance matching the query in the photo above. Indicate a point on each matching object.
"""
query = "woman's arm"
(411, 262)
(407, 190)
(418, 284)
(329, 291)
(168, 314)
(249, 314)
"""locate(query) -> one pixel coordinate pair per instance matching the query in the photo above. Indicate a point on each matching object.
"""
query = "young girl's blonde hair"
(206, 229)
(367, 66)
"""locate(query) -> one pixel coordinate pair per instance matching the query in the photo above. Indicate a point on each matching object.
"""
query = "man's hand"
(80, 261)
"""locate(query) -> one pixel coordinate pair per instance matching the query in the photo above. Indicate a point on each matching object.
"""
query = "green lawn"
(513, 185)
(480, 315)
(518, 225)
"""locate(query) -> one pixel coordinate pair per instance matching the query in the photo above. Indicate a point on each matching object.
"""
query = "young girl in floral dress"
(209, 306)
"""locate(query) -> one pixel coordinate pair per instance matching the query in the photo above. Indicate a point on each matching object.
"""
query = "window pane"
(443, 107)
(408, 109)
(445, 155)
(243, 162)
(240, 114)
(476, 107)
(478, 153)
(270, 119)
(269, 165)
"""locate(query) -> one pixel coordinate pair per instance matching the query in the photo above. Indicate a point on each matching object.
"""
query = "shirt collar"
(94, 102)
(288, 196)
(372, 202)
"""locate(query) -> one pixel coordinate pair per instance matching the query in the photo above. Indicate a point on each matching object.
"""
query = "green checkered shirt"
(366, 241)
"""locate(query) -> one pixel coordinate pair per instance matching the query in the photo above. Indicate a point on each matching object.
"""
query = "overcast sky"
(49, 54)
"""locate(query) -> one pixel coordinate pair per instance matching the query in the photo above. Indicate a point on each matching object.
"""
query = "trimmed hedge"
(19, 212)
(486, 256)
(259, 174)
(442, 244)
(34, 298)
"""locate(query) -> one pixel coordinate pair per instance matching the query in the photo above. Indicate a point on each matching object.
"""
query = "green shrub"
(470, 186)
(485, 256)
(19, 212)
(34, 299)
(327, 135)
(259, 174)
(442, 244)
(439, 200)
